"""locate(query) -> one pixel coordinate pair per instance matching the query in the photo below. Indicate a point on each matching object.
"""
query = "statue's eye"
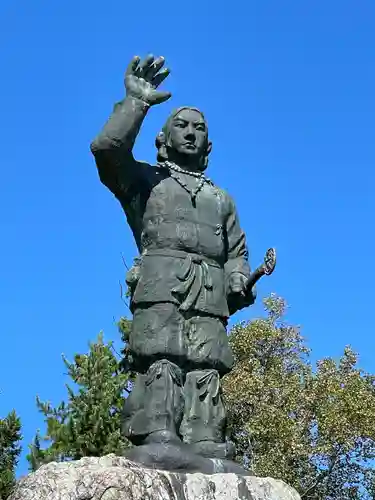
(179, 124)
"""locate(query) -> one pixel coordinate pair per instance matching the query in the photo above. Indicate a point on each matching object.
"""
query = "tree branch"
(323, 475)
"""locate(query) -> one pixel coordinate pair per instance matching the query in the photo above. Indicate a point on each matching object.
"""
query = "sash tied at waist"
(194, 275)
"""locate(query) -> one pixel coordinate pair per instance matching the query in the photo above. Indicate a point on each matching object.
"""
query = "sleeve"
(237, 252)
(237, 257)
(112, 148)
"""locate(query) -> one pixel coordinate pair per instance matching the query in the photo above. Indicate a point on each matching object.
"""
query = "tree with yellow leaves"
(313, 427)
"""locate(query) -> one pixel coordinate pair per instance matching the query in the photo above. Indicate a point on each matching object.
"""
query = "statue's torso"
(169, 228)
(172, 220)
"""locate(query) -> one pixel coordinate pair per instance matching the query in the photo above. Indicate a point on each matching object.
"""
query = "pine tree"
(88, 424)
(10, 436)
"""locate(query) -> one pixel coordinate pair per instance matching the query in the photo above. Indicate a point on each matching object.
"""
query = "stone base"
(116, 478)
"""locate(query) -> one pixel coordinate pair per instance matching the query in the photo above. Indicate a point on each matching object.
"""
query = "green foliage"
(10, 436)
(313, 428)
(124, 326)
(88, 424)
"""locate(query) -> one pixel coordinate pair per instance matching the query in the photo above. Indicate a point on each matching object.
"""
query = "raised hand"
(142, 78)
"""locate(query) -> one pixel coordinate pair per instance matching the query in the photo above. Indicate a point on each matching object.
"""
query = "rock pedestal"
(116, 478)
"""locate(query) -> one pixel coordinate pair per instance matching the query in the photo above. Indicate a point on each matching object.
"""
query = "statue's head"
(184, 139)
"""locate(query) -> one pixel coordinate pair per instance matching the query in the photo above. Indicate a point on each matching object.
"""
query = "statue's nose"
(189, 131)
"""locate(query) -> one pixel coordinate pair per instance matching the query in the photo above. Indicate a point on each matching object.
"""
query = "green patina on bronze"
(191, 274)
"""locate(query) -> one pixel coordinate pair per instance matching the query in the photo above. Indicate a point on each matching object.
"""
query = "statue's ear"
(204, 160)
(160, 143)
(160, 140)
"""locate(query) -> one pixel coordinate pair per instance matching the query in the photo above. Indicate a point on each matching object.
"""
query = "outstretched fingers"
(153, 68)
(142, 77)
(160, 77)
(145, 65)
(133, 65)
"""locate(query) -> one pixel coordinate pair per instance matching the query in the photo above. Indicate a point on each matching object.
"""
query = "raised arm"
(113, 146)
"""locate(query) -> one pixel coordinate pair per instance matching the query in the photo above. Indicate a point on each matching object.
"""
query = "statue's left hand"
(238, 284)
(240, 294)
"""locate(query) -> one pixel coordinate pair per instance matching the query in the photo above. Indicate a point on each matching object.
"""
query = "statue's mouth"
(189, 145)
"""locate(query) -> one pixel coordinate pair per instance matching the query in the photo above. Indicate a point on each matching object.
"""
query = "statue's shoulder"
(148, 169)
(152, 173)
(145, 165)
(225, 196)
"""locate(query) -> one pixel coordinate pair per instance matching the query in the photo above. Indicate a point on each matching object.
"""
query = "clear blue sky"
(288, 90)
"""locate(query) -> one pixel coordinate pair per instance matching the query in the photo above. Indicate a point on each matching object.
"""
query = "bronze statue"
(191, 274)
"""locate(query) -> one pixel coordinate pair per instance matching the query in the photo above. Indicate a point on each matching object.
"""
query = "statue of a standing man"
(192, 272)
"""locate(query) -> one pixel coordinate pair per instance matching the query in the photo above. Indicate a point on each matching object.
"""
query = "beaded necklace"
(175, 169)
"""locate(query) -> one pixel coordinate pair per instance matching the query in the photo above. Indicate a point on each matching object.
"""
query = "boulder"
(116, 478)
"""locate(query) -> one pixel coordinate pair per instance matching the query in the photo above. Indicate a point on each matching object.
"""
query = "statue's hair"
(162, 138)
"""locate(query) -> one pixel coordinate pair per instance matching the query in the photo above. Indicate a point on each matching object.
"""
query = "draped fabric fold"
(194, 276)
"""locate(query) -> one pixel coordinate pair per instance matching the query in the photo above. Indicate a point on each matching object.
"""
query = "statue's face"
(188, 134)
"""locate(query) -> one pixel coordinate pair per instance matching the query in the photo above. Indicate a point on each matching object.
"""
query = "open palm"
(142, 78)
